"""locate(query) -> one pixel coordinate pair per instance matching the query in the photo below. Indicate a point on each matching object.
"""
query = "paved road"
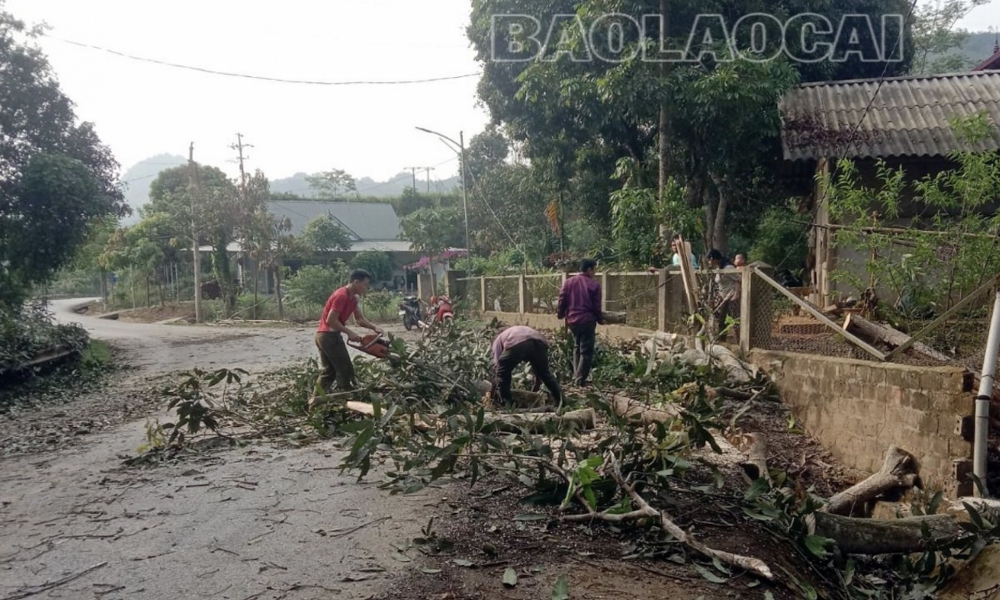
(254, 522)
(164, 348)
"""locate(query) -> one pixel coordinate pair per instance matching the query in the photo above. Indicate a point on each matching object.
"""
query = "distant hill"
(977, 48)
(368, 187)
(138, 178)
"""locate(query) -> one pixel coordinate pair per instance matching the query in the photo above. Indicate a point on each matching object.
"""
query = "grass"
(96, 355)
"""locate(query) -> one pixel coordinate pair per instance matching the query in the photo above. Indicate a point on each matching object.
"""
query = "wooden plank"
(687, 275)
(944, 317)
(809, 308)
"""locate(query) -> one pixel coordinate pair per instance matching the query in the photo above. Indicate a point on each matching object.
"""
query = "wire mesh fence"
(471, 294)
(777, 322)
(502, 294)
(634, 294)
(542, 293)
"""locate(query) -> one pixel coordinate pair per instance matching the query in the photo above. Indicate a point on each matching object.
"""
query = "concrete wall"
(542, 321)
(857, 409)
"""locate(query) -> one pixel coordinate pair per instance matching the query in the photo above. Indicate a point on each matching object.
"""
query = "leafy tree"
(213, 205)
(56, 177)
(935, 36)
(325, 234)
(432, 231)
(376, 262)
(312, 284)
(331, 184)
(575, 120)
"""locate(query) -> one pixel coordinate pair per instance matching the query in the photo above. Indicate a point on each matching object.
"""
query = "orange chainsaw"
(374, 344)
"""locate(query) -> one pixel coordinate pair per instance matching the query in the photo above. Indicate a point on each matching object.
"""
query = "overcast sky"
(142, 109)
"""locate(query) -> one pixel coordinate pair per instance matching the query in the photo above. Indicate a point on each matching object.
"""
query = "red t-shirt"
(342, 301)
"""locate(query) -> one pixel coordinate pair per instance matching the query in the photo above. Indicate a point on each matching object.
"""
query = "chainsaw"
(374, 344)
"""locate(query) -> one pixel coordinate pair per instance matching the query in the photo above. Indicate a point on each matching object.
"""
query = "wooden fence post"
(662, 307)
(521, 294)
(604, 292)
(482, 294)
(746, 310)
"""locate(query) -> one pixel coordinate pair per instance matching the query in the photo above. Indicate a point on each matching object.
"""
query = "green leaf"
(710, 575)
(510, 577)
(561, 589)
(817, 545)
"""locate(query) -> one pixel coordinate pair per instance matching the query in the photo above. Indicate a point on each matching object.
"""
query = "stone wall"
(857, 409)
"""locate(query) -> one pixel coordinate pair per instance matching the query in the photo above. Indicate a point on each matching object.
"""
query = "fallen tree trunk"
(634, 410)
(538, 422)
(890, 536)
(899, 473)
(531, 422)
(857, 324)
(520, 398)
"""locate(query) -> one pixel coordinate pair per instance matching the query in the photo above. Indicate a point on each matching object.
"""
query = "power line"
(262, 77)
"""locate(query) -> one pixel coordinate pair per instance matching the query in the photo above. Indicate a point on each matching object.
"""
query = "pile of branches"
(616, 453)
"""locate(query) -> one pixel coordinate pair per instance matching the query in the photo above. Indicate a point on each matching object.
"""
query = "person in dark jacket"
(580, 305)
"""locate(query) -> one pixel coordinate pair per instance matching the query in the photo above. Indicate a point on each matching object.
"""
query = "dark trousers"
(335, 362)
(584, 338)
(533, 352)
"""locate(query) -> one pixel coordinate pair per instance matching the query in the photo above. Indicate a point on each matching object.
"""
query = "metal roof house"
(371, 226)
(905, 121)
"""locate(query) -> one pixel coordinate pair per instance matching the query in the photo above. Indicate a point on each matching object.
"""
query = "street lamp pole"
(465, 191)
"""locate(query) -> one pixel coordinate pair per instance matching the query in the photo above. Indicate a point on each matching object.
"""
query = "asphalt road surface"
(254, 522)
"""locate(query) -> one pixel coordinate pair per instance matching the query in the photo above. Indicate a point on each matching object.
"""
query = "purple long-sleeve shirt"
(513, 336)
(580, 301)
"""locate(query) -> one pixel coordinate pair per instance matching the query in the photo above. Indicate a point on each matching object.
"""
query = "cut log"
(637, 411)
(583, 420)
(532, 422)
(857, 324)
(900, 472)
(756, 465)
(889, 536)
(520, 398)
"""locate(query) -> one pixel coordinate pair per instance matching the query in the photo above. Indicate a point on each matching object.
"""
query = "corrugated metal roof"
(908, 117)
(370, 221)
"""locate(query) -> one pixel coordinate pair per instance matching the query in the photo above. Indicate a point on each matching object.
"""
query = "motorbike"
(409, 310)
(444, 313)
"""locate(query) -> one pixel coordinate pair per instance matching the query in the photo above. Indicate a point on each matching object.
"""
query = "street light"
(465, 192)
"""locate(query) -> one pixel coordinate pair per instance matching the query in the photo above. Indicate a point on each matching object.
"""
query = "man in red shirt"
(333, 355)
(580, 305)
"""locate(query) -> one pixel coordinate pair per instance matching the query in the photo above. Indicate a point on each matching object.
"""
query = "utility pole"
(465, 197)
(414, 171)
(195, 250)
(428, 170)
(239, 146)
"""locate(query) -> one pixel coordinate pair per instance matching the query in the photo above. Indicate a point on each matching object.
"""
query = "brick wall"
(857, 409)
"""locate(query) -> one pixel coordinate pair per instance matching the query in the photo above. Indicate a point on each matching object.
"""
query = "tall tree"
(332, 184)
(56, 178)
(935, 36)
(325, 234)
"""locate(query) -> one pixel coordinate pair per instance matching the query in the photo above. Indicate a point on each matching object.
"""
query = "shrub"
(28, 331)
(313, 284)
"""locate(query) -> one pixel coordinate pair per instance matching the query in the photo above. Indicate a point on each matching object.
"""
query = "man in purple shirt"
(514, 346)
(580, 305)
